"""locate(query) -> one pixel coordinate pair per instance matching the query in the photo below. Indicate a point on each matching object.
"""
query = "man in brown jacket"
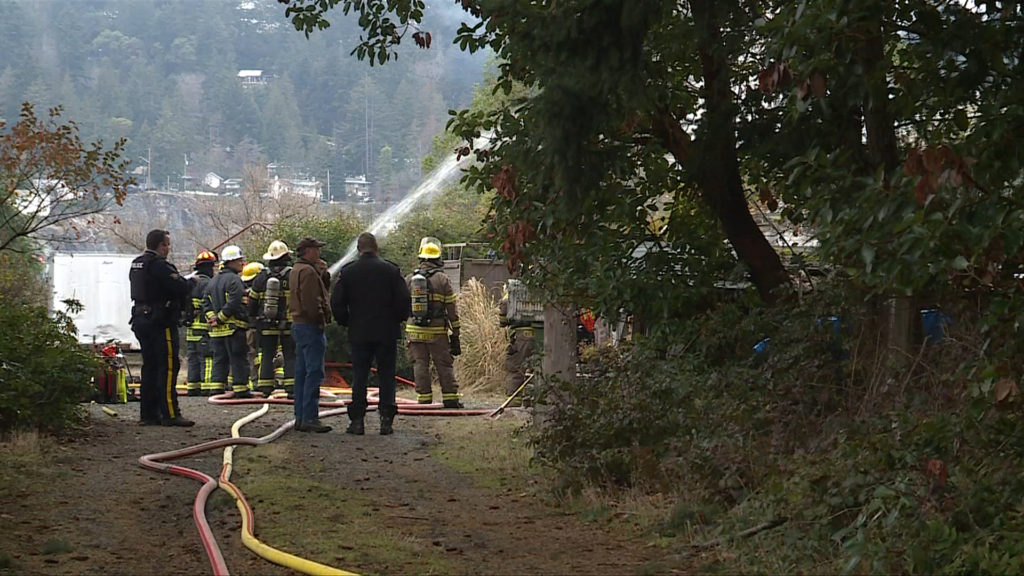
(310, 307)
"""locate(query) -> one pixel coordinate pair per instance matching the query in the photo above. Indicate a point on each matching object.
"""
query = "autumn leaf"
(1006, 389)
(937, 471)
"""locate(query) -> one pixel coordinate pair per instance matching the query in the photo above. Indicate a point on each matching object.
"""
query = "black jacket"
(157, 290)
(371, 299)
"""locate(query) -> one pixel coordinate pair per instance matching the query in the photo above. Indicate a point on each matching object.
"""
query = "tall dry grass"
(481, 367)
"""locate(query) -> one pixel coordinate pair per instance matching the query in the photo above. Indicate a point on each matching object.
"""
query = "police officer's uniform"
(157, 292)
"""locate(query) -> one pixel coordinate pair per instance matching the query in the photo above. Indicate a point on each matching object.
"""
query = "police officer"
(227, 316)
(158, 292)
(268, 303)
(427, 330)
(197, 336)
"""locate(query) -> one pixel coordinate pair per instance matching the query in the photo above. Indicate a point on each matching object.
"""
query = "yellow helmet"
(276, 249)
(251, 270)
(430, 248)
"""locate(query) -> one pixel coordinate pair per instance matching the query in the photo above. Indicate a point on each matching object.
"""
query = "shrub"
(44, 373)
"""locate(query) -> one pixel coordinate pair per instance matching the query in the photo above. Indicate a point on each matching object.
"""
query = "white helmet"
(276, 250)
(231, 253)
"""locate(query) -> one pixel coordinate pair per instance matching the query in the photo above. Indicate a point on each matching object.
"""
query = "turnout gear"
(277, 249)
(227, 316)
(268, 305)
(197, 333)
(429, 341)
(520, 349)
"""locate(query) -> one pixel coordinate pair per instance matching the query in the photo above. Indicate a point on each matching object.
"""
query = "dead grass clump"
(481, 367)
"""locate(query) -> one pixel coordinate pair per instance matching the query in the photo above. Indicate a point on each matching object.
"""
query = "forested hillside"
(165, 75)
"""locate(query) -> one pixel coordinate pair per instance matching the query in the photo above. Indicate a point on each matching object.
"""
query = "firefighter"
(252, 335)
(227, 316)
(520, 348)
(158, 292)
(197, 335)
(434, 314)
(268, 304)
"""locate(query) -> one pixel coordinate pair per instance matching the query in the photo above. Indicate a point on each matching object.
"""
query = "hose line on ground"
(248, 518)
(157, 462)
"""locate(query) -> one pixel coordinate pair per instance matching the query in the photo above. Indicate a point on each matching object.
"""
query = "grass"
(338, 526)
(489, 451)
(57, 546)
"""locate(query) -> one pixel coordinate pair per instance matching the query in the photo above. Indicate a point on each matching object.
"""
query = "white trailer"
(100, 282)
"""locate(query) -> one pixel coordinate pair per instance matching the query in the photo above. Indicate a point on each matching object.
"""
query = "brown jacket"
(307, 294)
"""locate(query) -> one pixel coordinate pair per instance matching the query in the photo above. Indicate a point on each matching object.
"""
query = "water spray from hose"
(429, 187)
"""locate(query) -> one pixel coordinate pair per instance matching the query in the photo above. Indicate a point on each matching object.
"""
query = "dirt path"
(428, 499)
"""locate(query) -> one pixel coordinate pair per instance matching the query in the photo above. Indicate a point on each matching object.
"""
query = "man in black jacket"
(158, 292)
(372, 300)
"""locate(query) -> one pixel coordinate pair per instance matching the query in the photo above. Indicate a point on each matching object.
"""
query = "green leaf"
(960, 263)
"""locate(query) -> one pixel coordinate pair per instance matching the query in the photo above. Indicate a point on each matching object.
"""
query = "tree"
(581, 160)
(49, 177)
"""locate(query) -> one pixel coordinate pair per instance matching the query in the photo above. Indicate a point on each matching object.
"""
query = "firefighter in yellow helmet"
(252, 336)
(197, 334)
(434, 315)
(268, 307)
(227, 315)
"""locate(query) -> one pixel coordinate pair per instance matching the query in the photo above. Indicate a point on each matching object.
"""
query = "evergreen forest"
(165, 75)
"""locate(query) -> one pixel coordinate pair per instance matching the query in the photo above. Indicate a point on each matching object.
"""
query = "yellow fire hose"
(248, 519)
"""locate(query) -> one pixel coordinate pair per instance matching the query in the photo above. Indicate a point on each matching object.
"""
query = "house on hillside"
(304, 187)
(357, 187)
(232, 184)
(212, 181)
(252, 77)
(300, 186)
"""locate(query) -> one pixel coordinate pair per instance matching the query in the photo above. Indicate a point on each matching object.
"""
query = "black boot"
(356, 427)
(453, 404)
(194, 392)
(387, 418)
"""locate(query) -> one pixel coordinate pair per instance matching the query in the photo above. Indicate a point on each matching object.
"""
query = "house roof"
(250, 73)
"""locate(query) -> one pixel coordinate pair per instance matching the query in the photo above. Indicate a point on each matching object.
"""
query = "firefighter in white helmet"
(268, 307)
(226, 313)
(434, 316)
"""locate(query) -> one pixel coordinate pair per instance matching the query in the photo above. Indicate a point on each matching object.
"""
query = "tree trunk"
(882, 152)
(716, 165)
(559, 360)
